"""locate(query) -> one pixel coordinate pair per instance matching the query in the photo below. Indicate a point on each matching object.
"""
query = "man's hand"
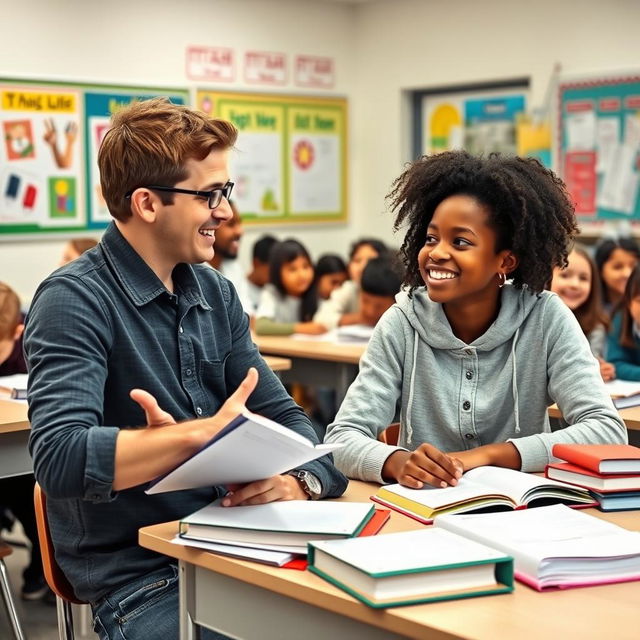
(426, 465)
(282, 487)
(156, 417)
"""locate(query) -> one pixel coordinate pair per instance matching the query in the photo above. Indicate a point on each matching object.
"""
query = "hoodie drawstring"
(514, 383)
(416, 339)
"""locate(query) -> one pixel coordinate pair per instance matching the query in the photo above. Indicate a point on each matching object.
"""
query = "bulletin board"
(290, 161)
(51, 131)
(598, 145)
(480, 118)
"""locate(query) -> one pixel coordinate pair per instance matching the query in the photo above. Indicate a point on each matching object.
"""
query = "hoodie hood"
(428, 320)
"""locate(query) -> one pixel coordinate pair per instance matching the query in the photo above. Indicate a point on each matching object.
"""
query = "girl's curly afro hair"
(528, 206)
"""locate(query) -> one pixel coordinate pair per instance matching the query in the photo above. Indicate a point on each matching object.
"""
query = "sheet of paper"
(581, 131)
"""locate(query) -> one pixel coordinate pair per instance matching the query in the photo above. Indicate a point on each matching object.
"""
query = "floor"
(38, 619)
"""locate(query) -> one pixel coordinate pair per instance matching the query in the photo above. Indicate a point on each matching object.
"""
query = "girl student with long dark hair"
(615, 258)
(290, 299)
(578, 286)
(623, 345)
(472, 360)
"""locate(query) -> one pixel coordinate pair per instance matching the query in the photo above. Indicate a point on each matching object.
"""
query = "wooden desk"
(277, 364)
(316, 362)
(14, 434)
(255, 602)
(630, 417)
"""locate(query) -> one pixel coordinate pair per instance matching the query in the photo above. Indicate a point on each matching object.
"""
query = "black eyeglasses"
(214, 197)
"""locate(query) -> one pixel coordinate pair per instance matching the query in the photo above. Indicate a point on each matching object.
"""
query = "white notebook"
(249, 448)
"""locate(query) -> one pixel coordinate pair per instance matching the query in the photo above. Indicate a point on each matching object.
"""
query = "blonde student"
(290, 299)
(342, 307)
(578, 286)
(624, 339)
(75, 248)
(473, 362)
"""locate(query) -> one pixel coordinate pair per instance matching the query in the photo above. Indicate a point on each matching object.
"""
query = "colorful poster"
(289, 164)
(256, 163)
(315, 155)
(40, 158)
(599, 118)
(490, 124)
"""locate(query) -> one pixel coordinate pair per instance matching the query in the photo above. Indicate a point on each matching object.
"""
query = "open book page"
(249, 448)
(519, 486)
(554, 532)
(622, 388)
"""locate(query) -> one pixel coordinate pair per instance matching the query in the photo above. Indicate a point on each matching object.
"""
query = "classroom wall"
(144, 42)
(381, 49)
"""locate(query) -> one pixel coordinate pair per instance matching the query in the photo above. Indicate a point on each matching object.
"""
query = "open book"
(411, 567)
(554, 546)
(249, 448)
(492, 488)
(624, 393)
(14, 387)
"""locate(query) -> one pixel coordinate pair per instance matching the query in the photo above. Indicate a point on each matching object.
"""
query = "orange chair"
(56, 580)
(390, 434)
(6, 550)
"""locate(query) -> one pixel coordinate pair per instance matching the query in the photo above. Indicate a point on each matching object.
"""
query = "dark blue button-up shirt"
(97, 328)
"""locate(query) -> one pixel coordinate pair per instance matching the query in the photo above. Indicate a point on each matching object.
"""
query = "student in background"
(471, 361)
(75, 248)
(225, 259)
(615, 259)
(134, 352)
(623, 346)
(331, 274)
(379, 285)
(16, 494)
(259, 274)
(578, 286)
(342, 306)
(290, 299)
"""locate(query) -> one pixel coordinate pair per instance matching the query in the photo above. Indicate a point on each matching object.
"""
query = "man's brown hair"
(10, 315)
(149, 143)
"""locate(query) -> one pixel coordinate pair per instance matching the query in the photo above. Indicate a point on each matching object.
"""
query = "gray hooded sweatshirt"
(459, 396)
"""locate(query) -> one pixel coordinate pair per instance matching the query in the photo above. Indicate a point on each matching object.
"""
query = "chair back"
(390, 434)
(56, 580)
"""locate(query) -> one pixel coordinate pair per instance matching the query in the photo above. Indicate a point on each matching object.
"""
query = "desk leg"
(186, 598)
(345, 378)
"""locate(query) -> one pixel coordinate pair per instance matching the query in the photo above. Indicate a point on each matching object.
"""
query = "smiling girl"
(473, 362)
(290, 299)
(578, 286)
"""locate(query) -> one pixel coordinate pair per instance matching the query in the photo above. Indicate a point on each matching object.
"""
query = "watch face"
(313, 483)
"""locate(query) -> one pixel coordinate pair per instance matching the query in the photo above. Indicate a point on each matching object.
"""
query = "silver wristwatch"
(309, 483)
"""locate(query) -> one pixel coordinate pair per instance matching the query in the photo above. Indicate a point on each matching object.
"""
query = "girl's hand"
(426, 465)
(310, 328)
(607, 370)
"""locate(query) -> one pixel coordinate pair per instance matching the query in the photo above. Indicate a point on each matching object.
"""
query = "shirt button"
(180, 329)
(466, 405)
(469, 436)
(199, 411)
(469, 375)
(469, 352)
(188, 372)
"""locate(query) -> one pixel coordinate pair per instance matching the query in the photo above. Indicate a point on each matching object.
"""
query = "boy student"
(16, 494)
(139, 311)
(259, 274)
(379, 285)
(473, 362)
(225, 258)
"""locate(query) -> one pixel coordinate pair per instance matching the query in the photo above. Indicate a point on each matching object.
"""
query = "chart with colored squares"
(49, 181)
(289, 164)
(598, 145)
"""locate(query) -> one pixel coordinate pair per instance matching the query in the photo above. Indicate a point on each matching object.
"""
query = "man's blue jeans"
(146, 609)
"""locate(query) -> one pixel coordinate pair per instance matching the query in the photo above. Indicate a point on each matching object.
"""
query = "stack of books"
(610, 472)
(624, 393)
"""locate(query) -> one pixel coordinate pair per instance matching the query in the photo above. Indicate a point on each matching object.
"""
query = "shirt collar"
(138, 279)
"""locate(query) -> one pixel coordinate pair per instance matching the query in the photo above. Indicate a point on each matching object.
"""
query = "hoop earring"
(502, 279)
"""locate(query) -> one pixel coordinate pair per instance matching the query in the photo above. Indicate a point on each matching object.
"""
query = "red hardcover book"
(601, 458)
(581, 477)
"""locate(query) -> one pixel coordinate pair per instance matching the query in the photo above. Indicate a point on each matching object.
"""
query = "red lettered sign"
(312, 71)
(215, 64)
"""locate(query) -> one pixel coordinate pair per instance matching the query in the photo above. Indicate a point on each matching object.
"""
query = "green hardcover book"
(412, 567)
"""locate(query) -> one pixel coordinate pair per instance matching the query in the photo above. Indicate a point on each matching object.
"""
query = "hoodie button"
(469, 375)
(466, 405)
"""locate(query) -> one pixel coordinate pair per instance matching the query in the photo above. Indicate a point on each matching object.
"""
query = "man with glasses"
(137, 333)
